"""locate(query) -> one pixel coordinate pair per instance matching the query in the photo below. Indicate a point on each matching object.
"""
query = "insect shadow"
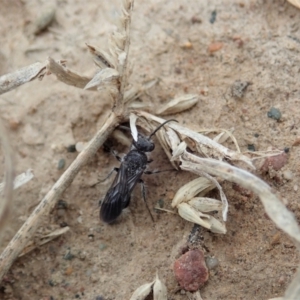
(132, 167)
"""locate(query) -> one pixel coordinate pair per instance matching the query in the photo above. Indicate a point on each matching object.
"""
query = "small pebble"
(295, 187)
(69, 271)
(186, 45)
(82, 255)
(190, 270)
(68, 255)
(195, 20)
(251, 147)
(274, 113)
(161, 203)
(71, 148)
(239, 88)
(61, 164)
(213, 17)
(212, 262)
(296, 142)
(288, 175)
(14, 124)
(275, 240)
(44, 19)
(102, 246)
(275, 162)
(214, 47)
(62, 204)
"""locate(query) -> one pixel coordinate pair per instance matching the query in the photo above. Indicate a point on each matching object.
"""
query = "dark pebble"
(274, 113)
(71, 148)
(161, 203)
(61, 164)
(213, 17)
(251, 147)
(68, 256)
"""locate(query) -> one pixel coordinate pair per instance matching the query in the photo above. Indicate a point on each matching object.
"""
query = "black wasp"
(132, 167)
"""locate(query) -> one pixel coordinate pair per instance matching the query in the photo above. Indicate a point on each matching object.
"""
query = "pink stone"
(190, 270)
(275, 162)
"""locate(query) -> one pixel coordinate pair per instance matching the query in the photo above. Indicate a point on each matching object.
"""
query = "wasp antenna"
(160, 126)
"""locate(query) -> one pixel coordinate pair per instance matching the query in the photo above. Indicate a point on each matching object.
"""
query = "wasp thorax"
(143, 144)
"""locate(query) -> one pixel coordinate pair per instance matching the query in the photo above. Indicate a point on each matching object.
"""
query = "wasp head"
(143, 143)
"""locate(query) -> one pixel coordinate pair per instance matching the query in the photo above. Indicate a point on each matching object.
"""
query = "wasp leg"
(157, 171)
(109, 174)
(143, 189)
(114, 153)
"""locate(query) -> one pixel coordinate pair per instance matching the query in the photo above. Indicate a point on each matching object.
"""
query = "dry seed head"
(159, 290)
(128, 4)
(161, 135)
(191, 189)
(202, 144)
(178, 150)
(131, 94)
(139, 105)
(190, 214)
(142, 292)
(172, 138)
(101, 58)
(122, 58)
(217, 226)
(104, 76)
(119, 39)
(205, 204)
(179, 104)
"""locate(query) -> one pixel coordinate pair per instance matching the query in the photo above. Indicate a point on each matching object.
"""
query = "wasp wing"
(113, 202)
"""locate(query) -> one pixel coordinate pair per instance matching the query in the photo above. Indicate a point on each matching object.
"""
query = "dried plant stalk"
(6, 196)
(65, 75)
(13, 80)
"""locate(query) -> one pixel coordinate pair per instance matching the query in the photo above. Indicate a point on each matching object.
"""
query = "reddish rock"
(190, 270)
(275, 162)
(213, 47)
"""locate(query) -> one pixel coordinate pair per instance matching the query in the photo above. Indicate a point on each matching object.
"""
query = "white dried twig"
(6, 197)
(15, 79)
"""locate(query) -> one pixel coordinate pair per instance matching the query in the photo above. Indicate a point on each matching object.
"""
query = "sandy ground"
(170, 40)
